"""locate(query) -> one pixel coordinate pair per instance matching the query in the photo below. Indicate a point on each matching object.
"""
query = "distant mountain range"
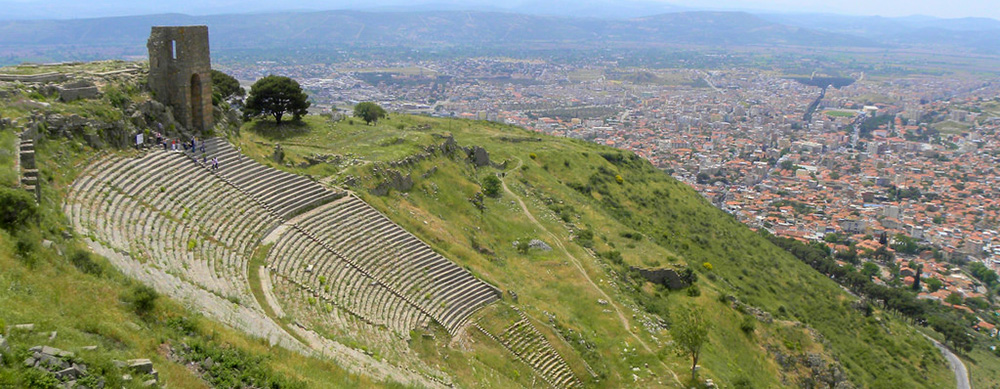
(478, 28)
(977, 34)
(426, 28)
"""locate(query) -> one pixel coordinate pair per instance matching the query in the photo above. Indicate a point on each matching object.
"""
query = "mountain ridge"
(430, 27)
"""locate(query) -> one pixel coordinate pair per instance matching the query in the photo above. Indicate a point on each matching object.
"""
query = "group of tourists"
(192, 146)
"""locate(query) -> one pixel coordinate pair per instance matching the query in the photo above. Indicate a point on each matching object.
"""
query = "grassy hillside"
(637, 216)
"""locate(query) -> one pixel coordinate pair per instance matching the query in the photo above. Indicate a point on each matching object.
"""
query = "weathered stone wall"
(667, 277)
(180, 73)
(40, 78)
(80, 89)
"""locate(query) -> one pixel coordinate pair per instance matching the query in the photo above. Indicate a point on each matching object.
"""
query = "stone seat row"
(301, 258)
(157, 204)
(285, 193)
(400, 259)
(342, 321)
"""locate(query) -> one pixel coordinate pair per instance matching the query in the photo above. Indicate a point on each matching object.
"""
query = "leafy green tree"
(275, 96)
(225, 85)
(869, 269)
(690, 332)
(954, 298)
(905, 244)
(933, 284)
(369, 112)
(983, 273)
(491, 186)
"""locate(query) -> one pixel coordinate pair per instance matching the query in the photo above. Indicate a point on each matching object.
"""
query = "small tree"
(916, 278)
(491, 186)
(369, 112)
(275, 96)
(690, 333)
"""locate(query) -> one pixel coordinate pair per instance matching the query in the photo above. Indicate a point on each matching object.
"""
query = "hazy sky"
(65, 9)
(939, 8)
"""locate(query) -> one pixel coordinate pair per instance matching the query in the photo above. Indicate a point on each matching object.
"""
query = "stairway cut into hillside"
(523, 340)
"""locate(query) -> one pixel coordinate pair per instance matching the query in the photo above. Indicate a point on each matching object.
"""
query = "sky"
(890, 8)
(69, 9)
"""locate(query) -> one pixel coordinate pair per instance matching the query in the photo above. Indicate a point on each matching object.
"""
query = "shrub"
(477, 201)
(693, 291)
(491, 186)
(523, 245)
(585, 238)
(26, 246)
(117, 98)
(748, 325)
(619, 179)
(614, 256)
(83, 261)
(532, 156)
(707, 266)
(38, 379)
(183, 325)
(143, 299)
(16, 208)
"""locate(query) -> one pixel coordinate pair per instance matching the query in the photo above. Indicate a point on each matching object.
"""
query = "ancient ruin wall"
(180, 73)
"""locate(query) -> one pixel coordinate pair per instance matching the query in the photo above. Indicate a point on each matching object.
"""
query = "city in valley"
(492, 194)
(847, 161)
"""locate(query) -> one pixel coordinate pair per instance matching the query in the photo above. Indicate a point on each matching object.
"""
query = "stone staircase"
(524, 341)
(28, 169)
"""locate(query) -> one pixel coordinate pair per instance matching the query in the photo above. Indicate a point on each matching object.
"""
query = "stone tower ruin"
(180, 73)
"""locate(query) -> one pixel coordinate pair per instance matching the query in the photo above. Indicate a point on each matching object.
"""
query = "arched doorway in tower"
(197, 113)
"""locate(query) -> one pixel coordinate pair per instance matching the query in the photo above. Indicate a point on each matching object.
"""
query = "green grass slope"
(603, 210)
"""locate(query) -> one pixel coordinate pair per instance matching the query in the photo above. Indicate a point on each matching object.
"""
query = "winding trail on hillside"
(961, 374)
(579, 266)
